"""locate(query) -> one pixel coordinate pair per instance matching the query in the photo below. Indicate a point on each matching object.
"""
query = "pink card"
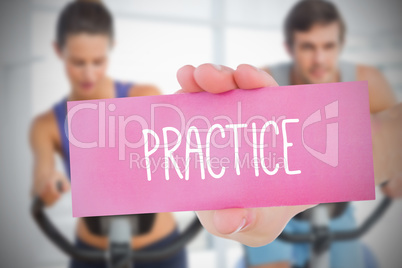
(274, 146)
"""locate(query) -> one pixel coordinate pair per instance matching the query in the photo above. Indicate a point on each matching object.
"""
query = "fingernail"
(241, 226)
(217, 67)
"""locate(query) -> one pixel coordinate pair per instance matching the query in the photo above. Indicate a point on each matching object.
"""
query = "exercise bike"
(119, 230)
(320, 237)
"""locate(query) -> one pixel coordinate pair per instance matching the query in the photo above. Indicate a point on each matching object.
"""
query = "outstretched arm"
(387, 149)
(45, 177)
(387, 124)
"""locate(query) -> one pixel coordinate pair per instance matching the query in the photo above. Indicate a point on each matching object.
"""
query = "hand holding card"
(249, 226)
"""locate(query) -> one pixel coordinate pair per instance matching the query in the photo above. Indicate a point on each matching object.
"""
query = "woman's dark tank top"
(60, 110)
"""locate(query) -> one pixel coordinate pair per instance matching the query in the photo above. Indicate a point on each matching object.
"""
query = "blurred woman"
(83, 44)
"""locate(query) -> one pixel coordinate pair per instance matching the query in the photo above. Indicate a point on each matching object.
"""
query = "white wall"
(15, 110)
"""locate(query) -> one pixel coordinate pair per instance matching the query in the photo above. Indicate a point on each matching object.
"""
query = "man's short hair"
(307, 13)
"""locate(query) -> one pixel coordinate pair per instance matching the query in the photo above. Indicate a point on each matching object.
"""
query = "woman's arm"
(45, 177)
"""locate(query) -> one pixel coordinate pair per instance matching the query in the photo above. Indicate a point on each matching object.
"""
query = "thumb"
(234, 220)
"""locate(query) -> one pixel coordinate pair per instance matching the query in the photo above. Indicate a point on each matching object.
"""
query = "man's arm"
(386, 126)
(380, 93)
(387, 149)
(45, 177)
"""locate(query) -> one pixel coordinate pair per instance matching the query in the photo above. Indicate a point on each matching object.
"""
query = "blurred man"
(315, 35)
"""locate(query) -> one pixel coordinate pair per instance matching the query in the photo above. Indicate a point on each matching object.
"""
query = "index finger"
(249, 77)
(206, 77)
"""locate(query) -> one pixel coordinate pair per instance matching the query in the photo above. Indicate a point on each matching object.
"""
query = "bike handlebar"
(311, 237)
(101, 256)
(98, 255)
